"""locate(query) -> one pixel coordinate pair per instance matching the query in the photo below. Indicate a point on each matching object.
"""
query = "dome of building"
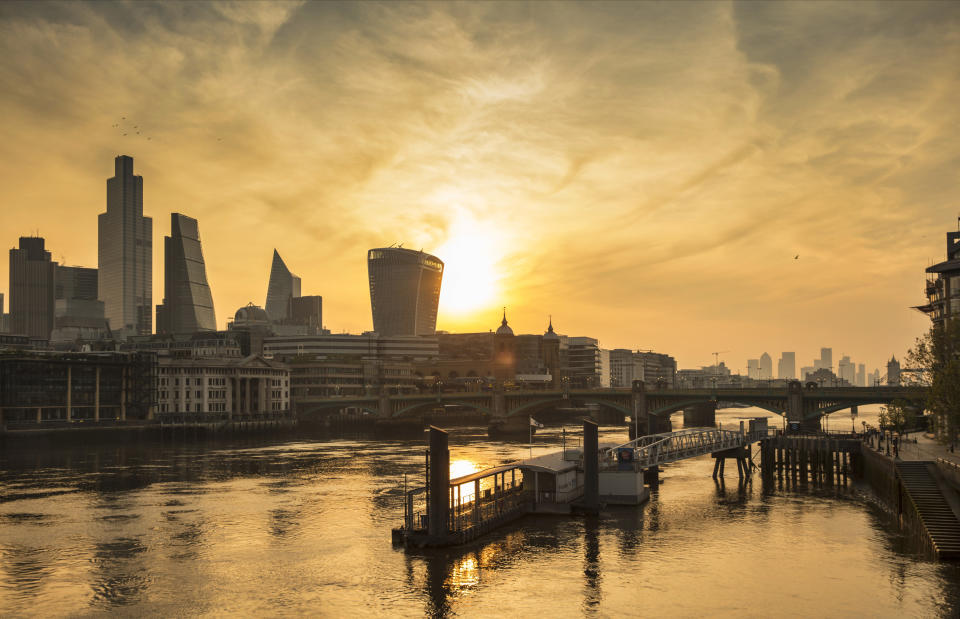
(550, 335)
(251, 314)
(504, 327)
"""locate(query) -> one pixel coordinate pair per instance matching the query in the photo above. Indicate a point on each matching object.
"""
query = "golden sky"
(645, 173)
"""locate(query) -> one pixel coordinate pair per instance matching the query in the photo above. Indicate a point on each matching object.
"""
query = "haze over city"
(679, 177)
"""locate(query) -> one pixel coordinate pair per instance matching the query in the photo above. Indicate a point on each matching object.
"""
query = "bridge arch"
(675, 407)
(529, 406)
(307, 409)
(412, 408)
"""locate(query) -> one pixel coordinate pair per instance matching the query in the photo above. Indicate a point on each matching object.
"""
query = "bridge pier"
(702, 415)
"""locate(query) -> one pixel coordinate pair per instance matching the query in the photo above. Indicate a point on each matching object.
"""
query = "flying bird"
(796, 257)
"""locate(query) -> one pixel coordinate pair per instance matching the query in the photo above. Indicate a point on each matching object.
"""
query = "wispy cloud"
(652, 168)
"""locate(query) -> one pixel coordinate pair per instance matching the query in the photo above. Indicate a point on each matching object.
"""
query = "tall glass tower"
(283, 286)
(125, 256)
(404, 291)
(187, 304)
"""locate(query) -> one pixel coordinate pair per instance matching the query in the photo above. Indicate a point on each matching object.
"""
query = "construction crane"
(716, 357)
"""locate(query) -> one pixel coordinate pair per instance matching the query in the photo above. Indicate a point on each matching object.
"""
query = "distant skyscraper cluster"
(822, 371)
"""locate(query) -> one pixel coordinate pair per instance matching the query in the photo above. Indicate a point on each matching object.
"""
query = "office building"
(787, 366)
(283, 287)
(78, 311)
(32, 289)
(125, 254)
(766, 367)
(307, 311)
(753, 369)
(404, 291)
(659, 370)
(846, 370)
(187, 301)
(825, 361)
(583, 362)
(625, 368)
(861, 376)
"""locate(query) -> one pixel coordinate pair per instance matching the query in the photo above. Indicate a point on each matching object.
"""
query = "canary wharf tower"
(125, 256)
(404, 291)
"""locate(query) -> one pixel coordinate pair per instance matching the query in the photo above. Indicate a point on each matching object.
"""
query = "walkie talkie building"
(404, 291)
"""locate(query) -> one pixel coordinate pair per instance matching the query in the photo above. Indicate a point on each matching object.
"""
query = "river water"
(300, 525)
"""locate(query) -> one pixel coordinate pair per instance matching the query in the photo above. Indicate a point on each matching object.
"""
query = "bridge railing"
(656, 449)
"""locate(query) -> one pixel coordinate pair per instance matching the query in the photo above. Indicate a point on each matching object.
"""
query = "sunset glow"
(470, 278)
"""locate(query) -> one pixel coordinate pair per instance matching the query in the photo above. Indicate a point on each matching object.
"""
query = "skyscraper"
(787, 366)
(283, 286)
(846, 369)
(753, 369)
(825, 361)
(861, 375)
(125, 256)
(31, 289)
(404, 291)
(766, 367)
(187, 303)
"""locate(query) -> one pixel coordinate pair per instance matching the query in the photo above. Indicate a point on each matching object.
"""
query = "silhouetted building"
(893, 371)
(187, 304)
(825, 378)
(307, 312)
(78, 312)
(4, 318)
(825, 361)
(787, 366)
(125, 255)
(861, 376)
(32, 281)
(753, 369)
(942, 289)
(846, 369)
(283, 287)
(404, 291)
(766, 367)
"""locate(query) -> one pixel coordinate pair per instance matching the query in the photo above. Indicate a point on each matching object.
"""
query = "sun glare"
(470, 276)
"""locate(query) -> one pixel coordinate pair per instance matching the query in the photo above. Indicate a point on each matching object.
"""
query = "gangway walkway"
(656, 449)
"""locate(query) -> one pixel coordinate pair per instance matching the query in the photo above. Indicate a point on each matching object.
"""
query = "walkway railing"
(657, 449)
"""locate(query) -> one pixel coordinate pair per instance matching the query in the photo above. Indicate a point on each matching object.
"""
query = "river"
(300, 525)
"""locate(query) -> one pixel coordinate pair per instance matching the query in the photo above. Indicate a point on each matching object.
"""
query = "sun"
(470, 274)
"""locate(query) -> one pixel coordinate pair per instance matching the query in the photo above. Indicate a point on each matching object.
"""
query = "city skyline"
(783, 206)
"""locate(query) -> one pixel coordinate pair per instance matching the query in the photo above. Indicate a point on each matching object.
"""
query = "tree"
(937, 356)
(898, 416)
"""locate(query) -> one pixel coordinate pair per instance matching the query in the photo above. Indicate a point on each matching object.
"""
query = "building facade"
(125, 254)
(404, 291)
(943, 284)
(32, 289)
(78, 311)
(188, 303)
(223, 386)
(49, 388)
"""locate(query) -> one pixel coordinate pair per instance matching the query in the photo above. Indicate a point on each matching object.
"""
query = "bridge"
(802, 406)
(667, 447)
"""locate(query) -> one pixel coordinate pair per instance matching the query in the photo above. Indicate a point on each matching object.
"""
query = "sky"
(683, 177)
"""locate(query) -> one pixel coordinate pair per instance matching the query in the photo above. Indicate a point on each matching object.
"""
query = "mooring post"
(439, 505)
(591, 465)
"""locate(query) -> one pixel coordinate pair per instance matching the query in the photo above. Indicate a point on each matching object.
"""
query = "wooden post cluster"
(820, 460)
